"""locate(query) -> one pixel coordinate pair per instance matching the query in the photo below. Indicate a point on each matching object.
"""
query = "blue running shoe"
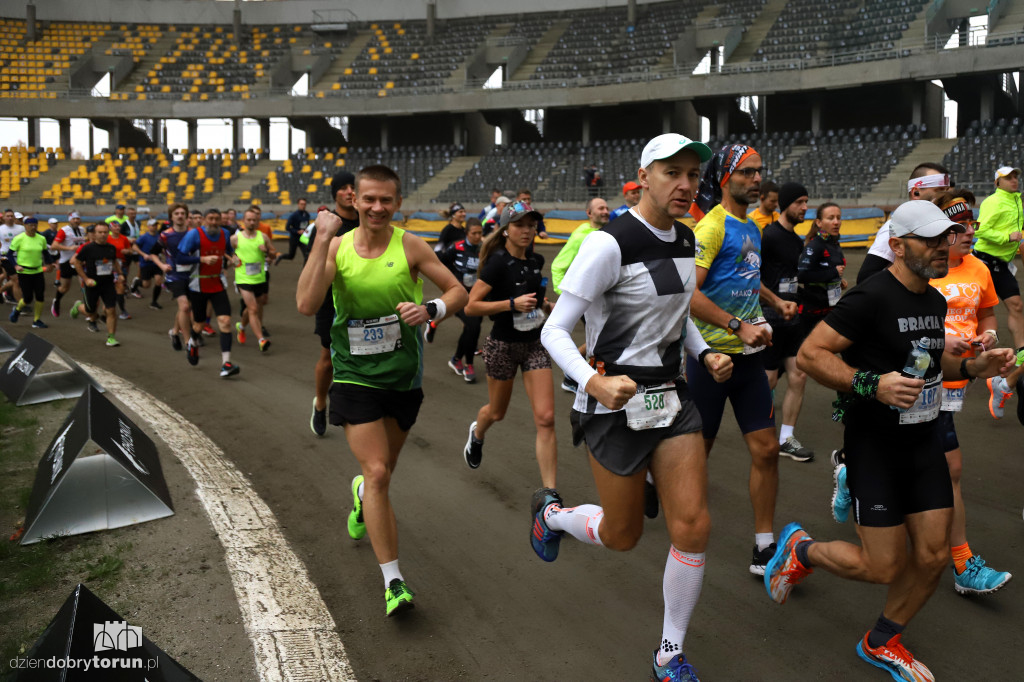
(15, 314)
(676, 670)
(978, 578)
(544, 540)
(785, 571)
(841, 500)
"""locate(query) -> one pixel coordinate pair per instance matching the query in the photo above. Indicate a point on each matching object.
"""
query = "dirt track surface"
(487, 607)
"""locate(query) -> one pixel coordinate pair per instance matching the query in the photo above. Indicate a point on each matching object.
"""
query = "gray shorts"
(620, 449)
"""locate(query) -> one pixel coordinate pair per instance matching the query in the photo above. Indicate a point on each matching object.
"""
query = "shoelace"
(399, 590)
(683, 667)
(898, 651)
(975, 565)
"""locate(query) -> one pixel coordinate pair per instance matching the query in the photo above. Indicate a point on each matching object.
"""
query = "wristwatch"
(431, 309)
(734, 325)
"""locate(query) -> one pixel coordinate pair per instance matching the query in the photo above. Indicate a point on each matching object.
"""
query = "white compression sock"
(785, 432)
(763, 540)
(684, 575)
(390, 571)
(580, 522)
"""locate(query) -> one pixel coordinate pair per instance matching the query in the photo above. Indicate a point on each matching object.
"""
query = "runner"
(631, 194)
(252, 249)
(31, 257)
(374, 274)
(510, 290)
(463, 259)
(729, 318)
(765, 213)
(635, 278)
(898, 476)
(454, 231)
(68, 240)
(151, 268)
(781, 247)
(8, 231)
(118, 216)
(821, 268)
(178, 277)
(124, 249)
(96, 263)
(343, 193)
(294, 226)
(131, 228)
(491, 222)
(208, 248)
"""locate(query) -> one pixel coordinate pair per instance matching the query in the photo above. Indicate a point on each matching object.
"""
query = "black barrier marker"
(23, 384)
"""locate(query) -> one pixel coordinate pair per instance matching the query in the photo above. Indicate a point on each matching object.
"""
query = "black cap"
(339, 180)
(790, 192)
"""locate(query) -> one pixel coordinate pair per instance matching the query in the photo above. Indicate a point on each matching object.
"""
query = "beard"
(922, 267)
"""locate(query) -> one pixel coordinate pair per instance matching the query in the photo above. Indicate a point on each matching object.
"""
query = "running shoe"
(785, 571)
(39, 324)
(155, 306)
(894, 658)
(398, 597)
(175, 339)
(430, 331)
(978, 578)
(15, 314)
(134, 287)
(10, 299)
(111, 341)
(240, 332)
(544, 540)
(356, 525)
(998, 394)
(474, 450)
(568, 385)
(55, 308)
(650, 500)
(208, 330)
(795, 451)
(124, 316)
(761, 558)
(228, 370)
(318, 422)
(193, 352)
(841, 500)
(200, 341)
(91, 326)
(74, 310)
(456, 365)
(678, 669)
(469, 374)
(264, 345)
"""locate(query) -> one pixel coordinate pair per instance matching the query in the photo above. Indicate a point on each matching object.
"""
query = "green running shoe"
(356, 526)
(398, 597)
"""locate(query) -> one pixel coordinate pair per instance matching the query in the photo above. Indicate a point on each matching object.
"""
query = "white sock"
(390, 571)
(684, 574)
(649, 478)
(359, 491)
(580, 522)
(785, 432)
(225, 356)
(763, 540)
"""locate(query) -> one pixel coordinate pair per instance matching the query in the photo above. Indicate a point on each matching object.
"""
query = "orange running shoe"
(784, 571)
(894, 658)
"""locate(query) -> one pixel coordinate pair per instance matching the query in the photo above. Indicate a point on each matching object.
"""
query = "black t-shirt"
(98, 260)
(818, 270)
(347, 225)
(449, 235)
(511, 277)
(780, 252)
(884, 319)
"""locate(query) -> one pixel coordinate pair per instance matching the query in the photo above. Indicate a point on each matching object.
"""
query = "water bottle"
(918, 362)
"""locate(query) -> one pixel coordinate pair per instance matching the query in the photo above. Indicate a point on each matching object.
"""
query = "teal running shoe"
(544, 540)
(356, 526)
(978, 578)
(676, 670)
(841, 500)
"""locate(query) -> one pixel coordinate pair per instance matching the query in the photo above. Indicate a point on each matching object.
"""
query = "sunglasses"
(935, 242)
(748, 173)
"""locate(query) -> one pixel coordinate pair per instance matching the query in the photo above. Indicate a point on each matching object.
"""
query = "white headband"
(933, 180)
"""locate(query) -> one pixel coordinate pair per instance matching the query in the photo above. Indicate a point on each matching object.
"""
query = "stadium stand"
(986, 146)
(38, 69)
(21, 165)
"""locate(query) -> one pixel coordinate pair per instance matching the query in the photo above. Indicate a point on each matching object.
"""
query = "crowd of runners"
(677, 321)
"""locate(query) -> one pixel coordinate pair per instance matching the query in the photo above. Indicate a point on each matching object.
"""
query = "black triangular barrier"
(76, 491)
(22, 383)
(87, 641)
(7, 342)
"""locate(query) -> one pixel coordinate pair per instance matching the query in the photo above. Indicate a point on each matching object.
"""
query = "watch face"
(734, 324)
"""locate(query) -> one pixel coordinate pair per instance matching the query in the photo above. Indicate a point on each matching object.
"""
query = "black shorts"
(947, 431)
(148, 271)
(103, 291)
(66, 271)
(256, 289)
(1005, 281)
(786, 340)
(178, 288)
(747, 389)
(8, 266)
(895, 472)
(620, 449)
(199, 300)
(505, 358)
(355, 404)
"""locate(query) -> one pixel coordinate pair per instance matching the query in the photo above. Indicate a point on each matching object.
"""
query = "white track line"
(293, 635)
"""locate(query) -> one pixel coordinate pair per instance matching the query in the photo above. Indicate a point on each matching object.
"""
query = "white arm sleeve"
(557, 340)
(694, 344)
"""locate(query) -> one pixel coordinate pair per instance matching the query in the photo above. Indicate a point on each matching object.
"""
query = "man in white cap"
(896, 468)
(1000, 225)
(9, 229)
(634, 280)
(68, 240)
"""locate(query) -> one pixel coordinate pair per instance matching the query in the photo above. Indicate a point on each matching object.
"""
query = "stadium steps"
(892, 189)
(30, 193)
(540, 50)
(160, 48)
(428, 191)
(794, 155)
(457, 80)
(342, 61)
(229, 193)
(1013, 20)
(757, 31)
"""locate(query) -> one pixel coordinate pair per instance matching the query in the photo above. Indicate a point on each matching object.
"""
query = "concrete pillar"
(585, 129)
(479, 134)
(236, 135)
(193, 134)
(722, 120)
(816, 115)
(264, 134)
(33, 131)
(30, 23)
(986, 102)
(506, 134)
(289, 139)
(384, 134)
(458, 132)
(158, 133)
(964, 31)
(762, 113)
(92, 140)
(631, 13)
(431, 19)
(667, 111)
(65, 135)
(236, 19)
(917, 108)
(114, 139)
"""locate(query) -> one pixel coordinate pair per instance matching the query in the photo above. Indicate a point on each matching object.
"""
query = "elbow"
(461, 300)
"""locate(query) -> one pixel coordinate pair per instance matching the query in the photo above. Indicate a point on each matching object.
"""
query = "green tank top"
(370, 344)
(253, 269)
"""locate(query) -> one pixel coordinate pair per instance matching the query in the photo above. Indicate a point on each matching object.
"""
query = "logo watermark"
(107, 637)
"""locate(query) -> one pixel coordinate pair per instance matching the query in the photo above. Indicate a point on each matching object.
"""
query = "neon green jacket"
(567, 255)
(1000, 215)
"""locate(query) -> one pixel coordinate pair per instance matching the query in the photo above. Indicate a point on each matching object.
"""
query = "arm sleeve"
(694, 344)
(595, 269)
(557, 339)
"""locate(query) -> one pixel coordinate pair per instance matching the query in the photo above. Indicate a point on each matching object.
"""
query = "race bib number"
(926, 407)
(953, 399)
(104, 269)
(788, 285)
(373, 336)
(654, 408)
(835, 291)
(254, 269)
(469, 279)
(757, 321)
(527, 321)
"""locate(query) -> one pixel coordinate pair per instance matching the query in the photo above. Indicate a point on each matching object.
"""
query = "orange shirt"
(265, 229)
(967, 288)
(120, 243)
(762, 220)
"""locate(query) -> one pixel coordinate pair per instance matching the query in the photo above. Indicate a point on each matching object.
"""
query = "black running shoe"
(474, 450)
(318, 422)
(650, 500)
(175, 339)
(761, 559)
(228, 370)
(430, 331)
(91, 326)
(156, 306)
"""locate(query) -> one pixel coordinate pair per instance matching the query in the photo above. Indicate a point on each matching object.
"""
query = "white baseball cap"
(52, 221)
(921, 218)
(670, 144)
(1006, 170)
(18, 215)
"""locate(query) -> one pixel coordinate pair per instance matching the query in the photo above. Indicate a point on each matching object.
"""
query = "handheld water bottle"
(918, 362)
